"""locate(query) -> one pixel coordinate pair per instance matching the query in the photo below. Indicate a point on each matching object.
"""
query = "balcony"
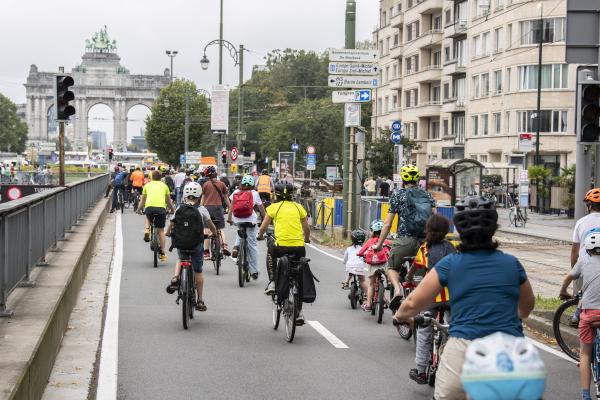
(396, 83)
(428, 39)
(430, 73)
(397, 20)
(425, 7)
(396, 51)
(431, 108)
(456, 29)
(453, 104)
(455, 67)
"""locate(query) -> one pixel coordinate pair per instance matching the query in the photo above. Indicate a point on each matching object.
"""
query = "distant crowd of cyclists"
(480, 291)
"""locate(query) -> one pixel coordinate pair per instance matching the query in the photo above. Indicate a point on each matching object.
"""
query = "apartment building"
(462, 77)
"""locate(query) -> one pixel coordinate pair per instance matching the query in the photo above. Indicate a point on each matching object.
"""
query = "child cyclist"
(374, 259)
(354, 264)
(192, 192)
(589, 319)
(433, 250)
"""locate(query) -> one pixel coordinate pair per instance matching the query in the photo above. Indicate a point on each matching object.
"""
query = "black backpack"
(170, 183)
(188, 228)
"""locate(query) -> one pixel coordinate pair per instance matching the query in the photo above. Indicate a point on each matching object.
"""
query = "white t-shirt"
(582, 227)
(178, 179)
(354, 264)
(252, 218)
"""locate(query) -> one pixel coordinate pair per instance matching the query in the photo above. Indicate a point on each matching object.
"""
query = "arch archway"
(136, 125)
(51, 124)
(100, 125)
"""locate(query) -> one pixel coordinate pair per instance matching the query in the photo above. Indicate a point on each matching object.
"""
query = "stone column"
(36, 118)
(43, 119)
(80, 128)
(120, 125)
(29, 117)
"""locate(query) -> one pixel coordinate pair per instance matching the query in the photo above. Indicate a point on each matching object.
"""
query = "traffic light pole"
(61, 153)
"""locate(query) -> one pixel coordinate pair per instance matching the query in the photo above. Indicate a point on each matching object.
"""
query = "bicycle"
(120, 202)
(378, 303)
(405, 330)
(440, 337)
(154, 241)
(242, 258)
(216, 254)
(517, 216)
(290, 306)
(356, 294)
(186, 292)
(135, 198)
(276, 306)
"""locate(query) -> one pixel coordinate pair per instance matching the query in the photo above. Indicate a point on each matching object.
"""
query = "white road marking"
(324, 252)
(109, 355)
(551, 350)
(537, 344)
(331, 338)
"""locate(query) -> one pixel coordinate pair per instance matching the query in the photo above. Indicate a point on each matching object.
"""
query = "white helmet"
(193, 189)
(504, 367)
(592, 240)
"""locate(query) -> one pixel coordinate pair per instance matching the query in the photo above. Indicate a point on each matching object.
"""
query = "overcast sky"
(53, 33)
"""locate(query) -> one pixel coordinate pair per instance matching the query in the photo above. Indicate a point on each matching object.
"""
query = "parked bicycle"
(242, 258)
(216, 253)
(517, 215)
(186, 293)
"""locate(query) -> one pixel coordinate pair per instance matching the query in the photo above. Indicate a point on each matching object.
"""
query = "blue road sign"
(362, 95)
(295, 146)
(396, 126)
(182, 159)
(395, 137)
(311, 159)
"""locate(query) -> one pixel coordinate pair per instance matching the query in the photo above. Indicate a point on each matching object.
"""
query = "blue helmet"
(377, 225)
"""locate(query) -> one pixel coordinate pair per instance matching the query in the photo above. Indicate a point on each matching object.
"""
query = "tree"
(165, 126)
(13, 131)
(380, 153)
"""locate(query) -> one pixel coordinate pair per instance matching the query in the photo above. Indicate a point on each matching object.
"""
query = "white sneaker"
(270, 290)
(300, 319)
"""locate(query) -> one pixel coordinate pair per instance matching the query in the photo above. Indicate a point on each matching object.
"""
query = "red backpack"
(243, 204)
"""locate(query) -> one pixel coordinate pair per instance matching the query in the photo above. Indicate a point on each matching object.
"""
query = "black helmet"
(476, 214)
(265, 172)
(284, 191)
(358, 237)
(210, 171)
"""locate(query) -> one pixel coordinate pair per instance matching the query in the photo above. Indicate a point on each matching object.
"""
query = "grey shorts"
(216, 216)
(404, 246)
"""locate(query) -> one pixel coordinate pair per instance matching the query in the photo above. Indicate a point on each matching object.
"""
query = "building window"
(508, 36)
(437, 23)
(453, 153)
(553, 31)
(483, 158)
(484, 124)
(446, 90)
(395, 102)
(499, 4)
(446, 131)
(413, 126)
(447, 53)
(486, 44)
(448, 16)
(498, 81)
(383, 18)
(381, 48)
(477, 46)
(461, 13)
(550, 121)
(387, 74)
(497, 123)
(485, 85)
(498, 37)
(507, 122)
(458, 127)
(460, 52)
(436, 58)
(476, 91)
(407, 99)
(435, 94)
(396, 40)
(387, 104)
(387, 45)
(554, 76)
(482, 7)
(458, 89)
(434, 130)
(379, 106)
(508, 72)
(475, 125)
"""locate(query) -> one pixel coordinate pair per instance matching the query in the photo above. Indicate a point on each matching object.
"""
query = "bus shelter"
(450, 181)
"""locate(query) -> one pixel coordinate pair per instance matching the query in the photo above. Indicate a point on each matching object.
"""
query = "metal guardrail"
(31, 226)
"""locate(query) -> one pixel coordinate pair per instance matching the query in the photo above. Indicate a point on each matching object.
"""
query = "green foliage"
(491, 180)
(13, 131)
(538, 173)
(380, 152)
(567, 180)
(165, 126)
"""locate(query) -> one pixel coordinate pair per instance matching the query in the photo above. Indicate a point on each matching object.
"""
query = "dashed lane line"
(326, 333)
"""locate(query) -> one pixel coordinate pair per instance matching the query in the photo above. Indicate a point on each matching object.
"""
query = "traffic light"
(224, 157)
(588, 107)
(63, 96)
(110, 154)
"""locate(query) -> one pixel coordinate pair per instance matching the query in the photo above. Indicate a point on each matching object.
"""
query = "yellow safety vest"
(264, 184)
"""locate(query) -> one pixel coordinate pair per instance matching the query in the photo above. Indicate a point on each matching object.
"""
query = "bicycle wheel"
(185, 297)
(216, 253)
(523, 213)
(353, 296)
(566, 336)
(241, 259)
(291, 312)
(405, 331)
(380, 302)
(276, 312)
(155, 246)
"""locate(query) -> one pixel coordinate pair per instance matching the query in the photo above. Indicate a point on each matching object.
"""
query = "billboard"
(219, 110)
(286, 165)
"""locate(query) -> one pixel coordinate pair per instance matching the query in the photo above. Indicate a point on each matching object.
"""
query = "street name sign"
(351, 96)
(350, 81)
(193, 157)
(311, 162)
(347, 68)
(352, 55)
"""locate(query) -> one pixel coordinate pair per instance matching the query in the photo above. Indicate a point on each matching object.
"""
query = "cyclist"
(168, 180)
(192, 192)
(120, 183)
(264, 186)
(243, 202)
(215, 199)
(582, 227)
(291, 232)
(414, 206)
(155, 200)
(354, 264)
(490, 291)
(178, 180)
(225, 180)
(374, 260)
(137, 180)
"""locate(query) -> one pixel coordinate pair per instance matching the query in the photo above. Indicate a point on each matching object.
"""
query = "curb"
(534, 235)
(36, 370)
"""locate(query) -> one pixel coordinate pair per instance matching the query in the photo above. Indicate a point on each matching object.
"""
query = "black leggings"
(278, 251)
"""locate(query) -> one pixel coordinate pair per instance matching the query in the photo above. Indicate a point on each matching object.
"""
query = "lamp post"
(171, 54)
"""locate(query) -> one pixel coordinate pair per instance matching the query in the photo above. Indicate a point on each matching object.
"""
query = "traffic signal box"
(588, 106)
(63, 96)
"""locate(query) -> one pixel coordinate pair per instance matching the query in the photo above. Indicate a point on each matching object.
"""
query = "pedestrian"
(378, 185)
(583, 226)
(178, 180)
(384, 189)
(370, 186)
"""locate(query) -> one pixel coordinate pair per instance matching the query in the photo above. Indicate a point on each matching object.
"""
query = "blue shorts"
(197, 257)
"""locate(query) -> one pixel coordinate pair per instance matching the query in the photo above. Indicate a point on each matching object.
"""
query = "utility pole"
(61, 153)
(171, 54)
(538, 118)
(221, 47)
(240, 100)
(350, 44)
(187, 124)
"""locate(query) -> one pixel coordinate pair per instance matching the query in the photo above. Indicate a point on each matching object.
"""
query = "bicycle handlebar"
(423, 321)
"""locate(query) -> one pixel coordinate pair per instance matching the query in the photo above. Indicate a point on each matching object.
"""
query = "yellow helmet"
(410, 173)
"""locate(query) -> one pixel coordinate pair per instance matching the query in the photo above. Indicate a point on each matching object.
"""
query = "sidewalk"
(541, 226)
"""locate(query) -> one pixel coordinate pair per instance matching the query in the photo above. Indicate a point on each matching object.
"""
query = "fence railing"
(31, 226)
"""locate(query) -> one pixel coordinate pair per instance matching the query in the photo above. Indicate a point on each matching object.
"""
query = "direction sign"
(311, 162)
(193, 157)
(351, 96)
(350, 81)
(396, 126)
(295, 147)
(233, 154)
(311, 150)
(181, 159)
(395, 137)
(347, 68)
(354, 55)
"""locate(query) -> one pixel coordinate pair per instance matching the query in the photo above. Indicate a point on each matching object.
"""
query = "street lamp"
(204, 63)
(171, 54)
